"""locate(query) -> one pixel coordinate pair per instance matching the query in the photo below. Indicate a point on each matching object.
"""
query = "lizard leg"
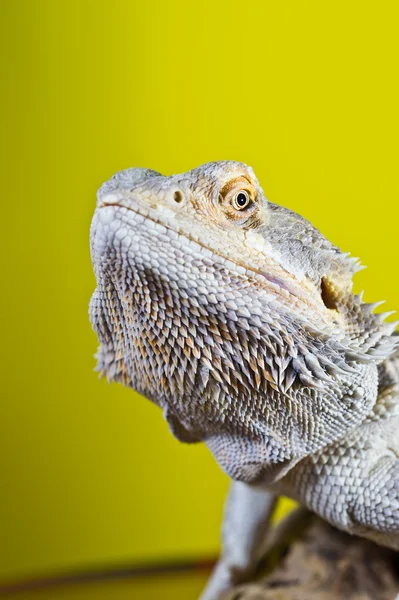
(376, 509)
(246, 520)
(354, 485)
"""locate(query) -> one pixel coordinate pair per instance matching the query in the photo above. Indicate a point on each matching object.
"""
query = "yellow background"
(305, 92)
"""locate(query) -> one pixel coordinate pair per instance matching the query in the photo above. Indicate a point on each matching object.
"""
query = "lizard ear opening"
(327, 294)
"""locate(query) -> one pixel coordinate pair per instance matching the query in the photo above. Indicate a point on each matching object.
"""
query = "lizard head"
(208, 295)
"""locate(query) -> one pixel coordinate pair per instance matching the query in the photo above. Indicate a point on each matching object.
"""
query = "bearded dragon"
(237, 318)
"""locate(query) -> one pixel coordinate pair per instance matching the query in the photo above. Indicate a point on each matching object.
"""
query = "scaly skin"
(240, 323)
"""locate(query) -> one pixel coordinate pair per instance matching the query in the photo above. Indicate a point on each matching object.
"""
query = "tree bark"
(326, 564)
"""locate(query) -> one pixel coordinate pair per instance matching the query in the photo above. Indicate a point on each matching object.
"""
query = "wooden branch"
(326, 564)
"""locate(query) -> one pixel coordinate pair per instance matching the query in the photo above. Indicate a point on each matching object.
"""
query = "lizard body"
(236, 316)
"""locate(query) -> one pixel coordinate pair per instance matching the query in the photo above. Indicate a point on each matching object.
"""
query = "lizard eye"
(241, 200)
(238, 200)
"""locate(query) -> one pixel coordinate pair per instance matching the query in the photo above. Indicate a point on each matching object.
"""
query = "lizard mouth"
(281, 286)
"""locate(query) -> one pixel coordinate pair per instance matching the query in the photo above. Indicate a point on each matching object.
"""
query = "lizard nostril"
(178, 197)
(174, 197)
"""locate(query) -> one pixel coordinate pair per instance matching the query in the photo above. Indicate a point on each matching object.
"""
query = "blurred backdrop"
(305, 92)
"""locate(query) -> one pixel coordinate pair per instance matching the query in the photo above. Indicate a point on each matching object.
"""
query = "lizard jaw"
(286, 287)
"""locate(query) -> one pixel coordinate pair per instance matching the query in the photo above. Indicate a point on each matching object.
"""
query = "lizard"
(236, 316)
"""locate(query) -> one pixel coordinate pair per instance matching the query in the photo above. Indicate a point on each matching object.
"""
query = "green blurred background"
(305, 92)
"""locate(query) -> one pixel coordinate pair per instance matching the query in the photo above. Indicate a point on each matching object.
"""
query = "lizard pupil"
(242, 199)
